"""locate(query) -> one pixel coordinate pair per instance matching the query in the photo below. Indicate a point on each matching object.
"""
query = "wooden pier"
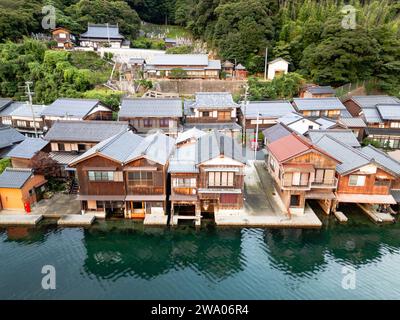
(20, 220)
(76, 220)
(377, 217)
(340, 216)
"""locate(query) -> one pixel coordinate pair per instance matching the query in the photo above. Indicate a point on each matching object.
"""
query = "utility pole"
(246, 92)
(266, 64)
(108, 35)
(256, 138)
(29, 93)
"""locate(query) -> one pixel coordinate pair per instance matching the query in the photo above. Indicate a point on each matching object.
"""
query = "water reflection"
(114, 252)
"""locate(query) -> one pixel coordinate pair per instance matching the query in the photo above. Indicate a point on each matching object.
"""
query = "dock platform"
(20, 220)
(76, 220)
(155, 220)
(377, 217)
(341, 217)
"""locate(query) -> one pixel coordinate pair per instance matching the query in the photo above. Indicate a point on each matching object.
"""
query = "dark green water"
(123, 260)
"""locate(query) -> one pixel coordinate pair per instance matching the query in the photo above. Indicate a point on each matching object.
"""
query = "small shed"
(277, 67)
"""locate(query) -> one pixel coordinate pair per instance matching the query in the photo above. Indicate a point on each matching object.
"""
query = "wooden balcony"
(326, 184)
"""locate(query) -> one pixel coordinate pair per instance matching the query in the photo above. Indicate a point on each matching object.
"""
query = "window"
(300, 179)
(101, 175)
(164, 123)
(323, 176)
(224, 115)
(295, 200)
(205, 114)
(229, 199)
(395, 125)
(21, 123)
(184, 183)
(147, 123)
(140, 178)
(221, 179)
(382, 183)
(81, 147)
(33, 124)
(62, 36)
(357, 181)
(61, 147)
(312, 113)
(7, 121)
(272, 164)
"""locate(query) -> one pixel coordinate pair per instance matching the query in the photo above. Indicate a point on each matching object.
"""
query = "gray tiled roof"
(383, 159)
(353, 122)
(396, 195)
(22, 109)
(371, 115)
(215, 144)
(180, 59)
(183, 160)
(389, 111)
(344, 136)
(350, 157)
(318, 104)
(87, 131)
(192, 133)
(214, 126)
(321, 90)
(372, 101)
(102, 31)
(77, 108)
(325, 123)
(9, 136)
(271, 109)
(213, 65)
(383, 131)
(276, 132)
(127, 146)
(4, 102)
(290, 118)
(14, 178)
(214, 100)
(28, 148)
(147, 107)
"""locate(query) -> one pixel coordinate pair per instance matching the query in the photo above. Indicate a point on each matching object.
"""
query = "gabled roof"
(228, 64)
(389, 111)
(127, 146)
(9, 136)
(326, 123)
(320, 90)
(213, 100)
(85, 131)
(270, 109)
(68, 107)
(350, 158)
(277, 60)
(102, 31)
(28, 148)
(15, 178)
(215, 144)
(344, 135)
(240, 67)
(180, 60)
(365, 102)
(382, 159)
(148, 107)
(353, 122)
(291, 146)
(290, 118)
(276, 132)
(23, 109)
(333, 103)
(371, 115)
(192, 133)
(183, 160)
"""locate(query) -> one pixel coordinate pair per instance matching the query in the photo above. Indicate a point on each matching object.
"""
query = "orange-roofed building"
(302, 172)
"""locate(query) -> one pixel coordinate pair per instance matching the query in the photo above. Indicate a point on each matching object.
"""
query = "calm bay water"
(124, 260)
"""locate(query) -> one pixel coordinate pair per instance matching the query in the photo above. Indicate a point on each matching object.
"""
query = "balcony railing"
(327, 183)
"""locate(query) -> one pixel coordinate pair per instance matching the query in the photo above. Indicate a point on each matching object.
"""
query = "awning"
(146, 198)
(216, 169)
(320, 195)
(99, 168)
(366, 198)
(306, 168)
(141, 169)
(100, 198)
(182, 197)
(223, 191)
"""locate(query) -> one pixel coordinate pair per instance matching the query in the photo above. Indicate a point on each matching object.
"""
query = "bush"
(178, 73)
(4, 163)
(180, 50)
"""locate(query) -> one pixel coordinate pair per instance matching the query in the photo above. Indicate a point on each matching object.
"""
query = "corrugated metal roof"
(389, 111)
(68, 107)
(9, 136)
(353, 122)
(85, 131)
(214, 100)
(318, 104)
(180, 60)
(383, 159)
(14, 178)
(372, 101)
(270, 109)
(276, 132)
(350, 157)
(28, 148)
(104, 31)
(345, 136)
(63, 158)
(147, 107)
